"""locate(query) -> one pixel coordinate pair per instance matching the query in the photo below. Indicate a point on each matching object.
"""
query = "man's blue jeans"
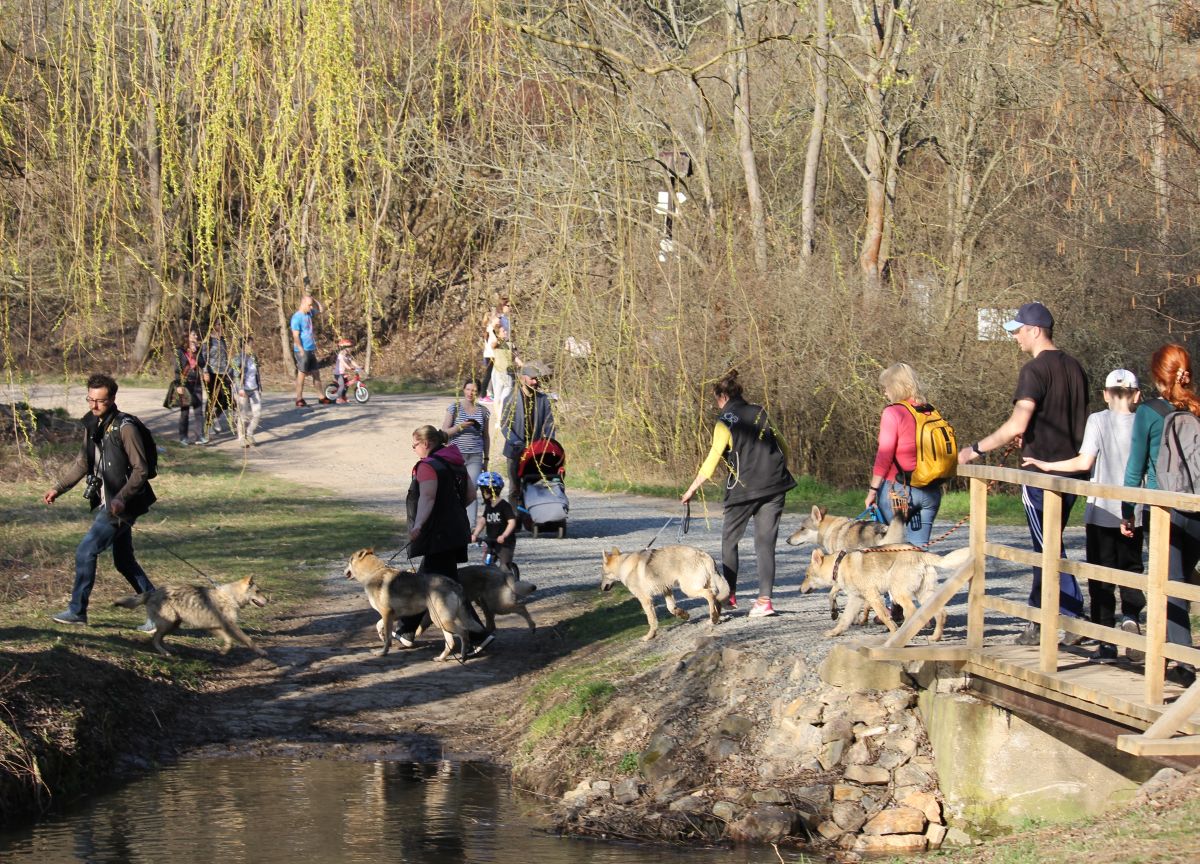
(105, 532)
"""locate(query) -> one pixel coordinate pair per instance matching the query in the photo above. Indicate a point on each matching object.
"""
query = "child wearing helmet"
(496, 520)
(342, 365)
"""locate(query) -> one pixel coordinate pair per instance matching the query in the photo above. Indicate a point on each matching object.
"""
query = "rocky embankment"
(727, 743)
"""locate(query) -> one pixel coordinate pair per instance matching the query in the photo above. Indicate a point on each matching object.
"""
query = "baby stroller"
(540, 473)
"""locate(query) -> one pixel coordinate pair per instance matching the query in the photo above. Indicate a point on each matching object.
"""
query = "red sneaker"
(300, 403)
(324, 400)
(731, 602)
(342, 400)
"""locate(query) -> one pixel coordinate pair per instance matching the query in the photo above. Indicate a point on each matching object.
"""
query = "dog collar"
(837, 562)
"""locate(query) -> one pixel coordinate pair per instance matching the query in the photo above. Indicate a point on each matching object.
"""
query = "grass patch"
(1158, 836)
(583, 698)
(615, 616)
(226, 521)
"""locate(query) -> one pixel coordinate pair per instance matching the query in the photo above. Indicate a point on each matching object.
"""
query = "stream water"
(282, 811)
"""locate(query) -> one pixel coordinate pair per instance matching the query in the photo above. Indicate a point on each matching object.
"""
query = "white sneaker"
(1130, 626)
(762, 608)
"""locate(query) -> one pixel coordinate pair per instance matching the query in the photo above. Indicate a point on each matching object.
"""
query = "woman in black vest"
(438, 528)
(745, 440)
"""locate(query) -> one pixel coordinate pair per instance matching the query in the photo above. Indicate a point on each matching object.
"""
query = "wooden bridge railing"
(1154, 583)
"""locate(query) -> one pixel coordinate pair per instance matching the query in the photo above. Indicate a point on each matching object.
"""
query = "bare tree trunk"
(869, 262)
(739, 77)
(816, 134)
(154, 293)
(1158, 130)
(700, 129)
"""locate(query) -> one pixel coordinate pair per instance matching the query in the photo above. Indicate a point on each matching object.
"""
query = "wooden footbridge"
(1131, 704)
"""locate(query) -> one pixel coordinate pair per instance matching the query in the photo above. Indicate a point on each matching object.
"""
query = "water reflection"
(278, 811)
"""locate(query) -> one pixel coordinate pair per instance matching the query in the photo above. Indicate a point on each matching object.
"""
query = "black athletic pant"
(766, 513)
(1108, 547)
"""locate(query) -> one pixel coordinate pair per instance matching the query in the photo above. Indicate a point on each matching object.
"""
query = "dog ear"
(818, 513)
(817, 557)
(608, 556)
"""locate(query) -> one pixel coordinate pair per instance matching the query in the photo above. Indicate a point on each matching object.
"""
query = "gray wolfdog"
(496, 592)
(393, 593)
(199, 606)
(905, 571)
(841, 534)
(656, 571)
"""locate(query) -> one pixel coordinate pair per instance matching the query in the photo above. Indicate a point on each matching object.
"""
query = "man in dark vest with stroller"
(528, 416)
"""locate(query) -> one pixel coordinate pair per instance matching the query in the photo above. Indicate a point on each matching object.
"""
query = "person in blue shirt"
(304, 348)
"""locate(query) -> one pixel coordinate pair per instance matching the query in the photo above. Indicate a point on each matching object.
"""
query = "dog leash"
(396, 554)
(684, 525)
(167, 549)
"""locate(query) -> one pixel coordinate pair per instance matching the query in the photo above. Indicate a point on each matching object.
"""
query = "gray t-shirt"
(1107, 436)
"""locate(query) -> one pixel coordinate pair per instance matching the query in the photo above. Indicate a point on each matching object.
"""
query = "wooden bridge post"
(1156, 602)
(1051, 550)
(975, 590)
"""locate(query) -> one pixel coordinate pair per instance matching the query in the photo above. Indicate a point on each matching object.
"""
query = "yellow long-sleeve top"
(722, 441)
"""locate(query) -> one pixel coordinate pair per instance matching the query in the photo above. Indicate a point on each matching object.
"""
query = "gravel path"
(324, 683)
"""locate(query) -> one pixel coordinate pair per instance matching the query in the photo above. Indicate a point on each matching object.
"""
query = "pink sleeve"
(425, 472)
(897, 440)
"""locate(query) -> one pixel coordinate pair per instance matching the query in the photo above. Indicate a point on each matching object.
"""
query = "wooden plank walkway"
(1124, 695)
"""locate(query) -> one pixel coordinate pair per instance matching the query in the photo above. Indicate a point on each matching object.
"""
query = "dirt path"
(324, 685)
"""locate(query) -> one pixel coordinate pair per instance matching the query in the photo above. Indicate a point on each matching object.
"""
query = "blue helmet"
(490, 480)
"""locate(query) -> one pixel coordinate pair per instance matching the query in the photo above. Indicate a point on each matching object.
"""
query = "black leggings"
(766, 513)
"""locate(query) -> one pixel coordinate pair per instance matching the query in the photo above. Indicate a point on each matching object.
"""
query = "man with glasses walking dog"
(1048, 419)
(113, 459)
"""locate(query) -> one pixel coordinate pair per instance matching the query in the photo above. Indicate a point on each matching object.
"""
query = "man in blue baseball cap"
(1048, 420)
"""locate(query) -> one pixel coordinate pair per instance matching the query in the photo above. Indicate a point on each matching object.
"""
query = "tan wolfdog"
(496, 592)
(199, 606)
(393, 593)
(841, 534)
(902, 570)
(656, 571)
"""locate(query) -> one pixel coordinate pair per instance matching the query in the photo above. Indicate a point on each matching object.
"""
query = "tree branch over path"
(617, 57)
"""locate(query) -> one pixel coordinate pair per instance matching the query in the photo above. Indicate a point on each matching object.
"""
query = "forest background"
(807, 191)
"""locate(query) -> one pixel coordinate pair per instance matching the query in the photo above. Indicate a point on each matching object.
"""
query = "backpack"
(937, 450)
(148, 444)
(1178, 464)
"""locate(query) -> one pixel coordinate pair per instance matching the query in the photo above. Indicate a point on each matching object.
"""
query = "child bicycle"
(491, 557)
(355, 383)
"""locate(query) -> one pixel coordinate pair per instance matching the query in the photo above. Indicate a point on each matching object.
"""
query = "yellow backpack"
(937, 450)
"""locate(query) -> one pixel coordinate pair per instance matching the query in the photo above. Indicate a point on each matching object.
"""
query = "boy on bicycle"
(497, 520)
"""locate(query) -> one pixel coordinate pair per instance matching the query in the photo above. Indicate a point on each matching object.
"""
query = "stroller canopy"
(542, 458)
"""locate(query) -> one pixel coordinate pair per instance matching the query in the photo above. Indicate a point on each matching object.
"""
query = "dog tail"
(720, 585)
(523, 589)
(133, 602)
(951, 560)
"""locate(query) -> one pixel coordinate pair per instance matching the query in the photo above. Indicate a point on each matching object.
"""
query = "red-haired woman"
(1171, 368)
